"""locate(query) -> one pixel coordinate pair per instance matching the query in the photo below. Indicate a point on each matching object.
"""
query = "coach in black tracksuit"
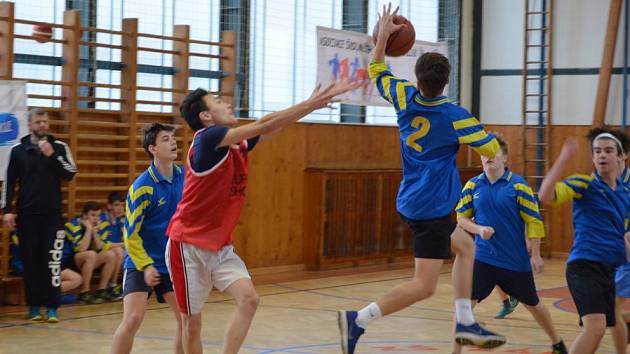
(38, 164)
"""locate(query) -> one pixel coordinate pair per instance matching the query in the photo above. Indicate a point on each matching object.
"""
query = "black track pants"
(41, 243)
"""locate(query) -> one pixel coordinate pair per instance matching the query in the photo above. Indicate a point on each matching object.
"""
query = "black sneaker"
(115, 293)
(559, 348)
(104, 295)
(87, 298)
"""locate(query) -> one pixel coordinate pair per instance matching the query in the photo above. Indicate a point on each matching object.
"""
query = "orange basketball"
(42, 33)
(399, 42)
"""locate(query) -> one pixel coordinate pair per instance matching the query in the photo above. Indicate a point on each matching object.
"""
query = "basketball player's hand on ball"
(486, 232)
(537, 264)
(151, 276)
(45, 148)
(386, 25)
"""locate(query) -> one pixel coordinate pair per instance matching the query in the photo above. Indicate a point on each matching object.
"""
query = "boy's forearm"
(535, 242)
(468, 225)
(379, 50)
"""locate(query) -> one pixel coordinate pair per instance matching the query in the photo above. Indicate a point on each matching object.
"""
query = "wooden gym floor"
(299, 316)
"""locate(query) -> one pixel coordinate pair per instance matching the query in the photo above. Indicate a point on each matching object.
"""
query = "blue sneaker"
(349, 330)
(477, 336)
(52, 315)
(507, 308)
(34, 314)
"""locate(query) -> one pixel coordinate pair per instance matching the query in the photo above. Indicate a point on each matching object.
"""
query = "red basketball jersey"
(212, 201)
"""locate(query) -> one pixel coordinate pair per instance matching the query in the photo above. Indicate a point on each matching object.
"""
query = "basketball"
(399, 42)
(42, 33)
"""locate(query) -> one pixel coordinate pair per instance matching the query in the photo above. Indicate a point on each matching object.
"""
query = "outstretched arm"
(547, 188)
(275, 121)
(386, 27)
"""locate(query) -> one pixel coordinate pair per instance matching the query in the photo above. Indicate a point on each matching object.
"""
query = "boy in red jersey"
(200, 254)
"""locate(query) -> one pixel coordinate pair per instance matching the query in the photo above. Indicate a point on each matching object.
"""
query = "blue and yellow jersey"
(431, 131)
(111, 231)
(625, 176)
(511, 208)
(600, 217)
(74, 234)
(151, 202)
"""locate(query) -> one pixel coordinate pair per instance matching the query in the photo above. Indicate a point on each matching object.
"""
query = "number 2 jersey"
(431, 131)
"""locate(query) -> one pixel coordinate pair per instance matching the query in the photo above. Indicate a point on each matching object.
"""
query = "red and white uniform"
(200, 254)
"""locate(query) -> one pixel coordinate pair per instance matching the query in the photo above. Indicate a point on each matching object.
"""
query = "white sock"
(463, 312)
(368, 314)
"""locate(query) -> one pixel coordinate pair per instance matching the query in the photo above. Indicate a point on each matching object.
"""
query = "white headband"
(610, 136)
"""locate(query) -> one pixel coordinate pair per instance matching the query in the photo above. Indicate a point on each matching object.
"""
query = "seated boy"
(110, 231)
(86, 252)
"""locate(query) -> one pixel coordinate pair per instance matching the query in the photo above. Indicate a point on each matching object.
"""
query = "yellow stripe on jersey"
(466, 123)
(464, 207)
(571, 188)
(375, 69)
(135, 247)
(471, 138)
(72, 228)
(564, 193)
(401, 94)
(534, 227)
(431, 103)
(387, 83)
(489, 149)
(575, 183)
(132, 216)
(135, 194)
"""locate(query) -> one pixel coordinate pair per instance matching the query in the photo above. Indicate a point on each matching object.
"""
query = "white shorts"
(194, 271)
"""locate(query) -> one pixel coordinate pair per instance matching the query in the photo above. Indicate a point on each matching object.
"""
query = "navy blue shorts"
(133, 282)
(68, 263)
(519, 285)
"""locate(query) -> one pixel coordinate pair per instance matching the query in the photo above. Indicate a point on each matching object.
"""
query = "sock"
(463, 312)
(368, 314)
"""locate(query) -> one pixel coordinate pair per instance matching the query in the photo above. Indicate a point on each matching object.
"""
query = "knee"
(133, 321)
(597, 329)
(249, 301)
(423, 291)
(191, 326)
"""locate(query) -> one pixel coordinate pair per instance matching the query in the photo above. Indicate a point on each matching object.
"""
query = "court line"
(402, 341)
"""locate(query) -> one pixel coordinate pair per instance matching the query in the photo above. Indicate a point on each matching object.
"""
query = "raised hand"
(386, 25)
(569, 148)
(321, 98)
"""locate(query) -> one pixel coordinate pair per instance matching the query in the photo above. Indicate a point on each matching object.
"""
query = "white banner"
(346, 55)
(12, 118)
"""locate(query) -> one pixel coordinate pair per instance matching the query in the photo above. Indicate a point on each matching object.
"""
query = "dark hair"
(192, 105)
(622, 137)
(150, 133)
(90, 206)
(432, 72)
(116, 197)
(502, 143)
